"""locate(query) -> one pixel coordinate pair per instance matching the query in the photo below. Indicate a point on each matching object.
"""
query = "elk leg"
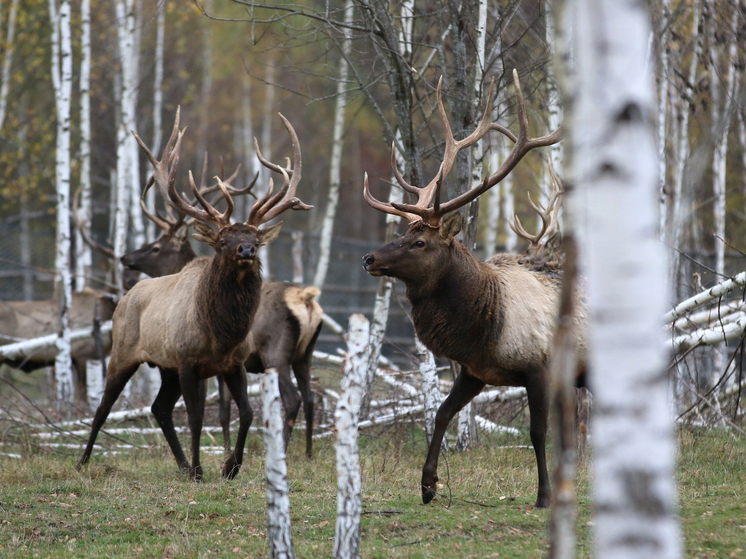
(193, 389)
(236, 383)
(115, 383)
(290, 402)
(464, 389)
(538, 407)
(224, 398)
(163, 410)
(302, 370)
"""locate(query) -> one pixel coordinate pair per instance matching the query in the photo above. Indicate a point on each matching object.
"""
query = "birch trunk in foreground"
(617, 171)
(278, 503)
(335, 163)
(83, 256)
(430, 389)
(152, 233)
(62, 75)
(346, 419)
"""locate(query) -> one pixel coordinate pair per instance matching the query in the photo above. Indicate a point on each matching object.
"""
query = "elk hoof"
(231, 468)
(542, 501)
(428, 490)
(196, 474)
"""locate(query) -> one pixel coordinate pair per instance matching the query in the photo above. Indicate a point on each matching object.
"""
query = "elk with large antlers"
(495, 318)
(194, 324)
(283, 334)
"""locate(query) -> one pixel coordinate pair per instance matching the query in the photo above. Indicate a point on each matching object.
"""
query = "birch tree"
(62, 76)
(160, 39)
(335, 163)
(663, 34)
(7, 60)
(615, 151)
(251, 162)
(83, 256)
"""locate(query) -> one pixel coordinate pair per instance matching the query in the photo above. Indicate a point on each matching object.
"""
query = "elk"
(495, 318)
(195, 324)
(284, 333)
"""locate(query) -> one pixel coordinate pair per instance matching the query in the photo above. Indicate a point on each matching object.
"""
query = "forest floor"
(136, 504)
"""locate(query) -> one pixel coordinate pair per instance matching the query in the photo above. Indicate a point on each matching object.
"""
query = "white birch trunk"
(346, 419)
(160, 39)
(83, 256)
(132, 66)
(278, 503)
(7, 60)
(466, 417)
(62, 75)
(269, 101)
(251, 162)
(335, 163)
(615, 150)
(204, 109)
(430, 390)
(662, 114)
(511, 239)
(297, 257)
(554, 107)
(676, 223)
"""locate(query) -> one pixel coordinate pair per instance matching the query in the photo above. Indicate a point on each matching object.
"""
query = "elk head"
(429, 242)
(236, 243)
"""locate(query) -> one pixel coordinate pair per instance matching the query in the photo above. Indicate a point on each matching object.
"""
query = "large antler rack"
(547, 214)
(268, 206)
(263, 210)
(428, 207)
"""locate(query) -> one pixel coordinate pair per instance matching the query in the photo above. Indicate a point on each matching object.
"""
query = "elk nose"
(368, 260)
(246, 251)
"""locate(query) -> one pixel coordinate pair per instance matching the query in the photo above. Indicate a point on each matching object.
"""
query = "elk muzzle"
(372, 265)
(246, 251)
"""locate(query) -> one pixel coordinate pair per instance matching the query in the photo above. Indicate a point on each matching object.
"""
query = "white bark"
(554, 105)
(346, 418)
(614, 146)
(430, 390)
(160, 38)
(705, 297)
(335, 163)
(94, 383)
(62, 75)
(251, 162)
(278, 503)
(83, 256)
(729, 328)
(27, 348)
(297, 257)
(676, 222)
(269, 101)
(511, 239)
(206, 90)
(662, 114)
(7, 60)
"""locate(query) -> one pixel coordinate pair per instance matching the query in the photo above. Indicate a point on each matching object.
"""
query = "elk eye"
(420, 244)
(156, 249)
(223, 243)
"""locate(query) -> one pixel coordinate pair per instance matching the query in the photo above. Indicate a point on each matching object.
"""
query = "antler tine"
(523, 144)
(220, 219)
(384, 206)
(399, 178)
(84, 232)
(168, 224)
(164, 170)
(269, 207)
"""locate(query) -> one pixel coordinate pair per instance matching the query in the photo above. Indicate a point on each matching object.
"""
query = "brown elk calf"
(194, 324)
(283, 335)
(495, 318)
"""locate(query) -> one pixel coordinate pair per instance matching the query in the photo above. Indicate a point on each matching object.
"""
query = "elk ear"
(205, 234)
(268, 234)
(450, 226)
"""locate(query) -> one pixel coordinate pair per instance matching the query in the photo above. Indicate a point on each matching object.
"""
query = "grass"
(136, 504)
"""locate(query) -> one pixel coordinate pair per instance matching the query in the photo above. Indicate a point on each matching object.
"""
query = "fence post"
(346, 418)
(278, 503)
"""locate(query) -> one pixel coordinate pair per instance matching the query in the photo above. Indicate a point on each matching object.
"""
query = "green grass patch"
(137, 504)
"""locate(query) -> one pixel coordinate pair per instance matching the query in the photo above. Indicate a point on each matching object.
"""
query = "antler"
(268, 207)
(84, 232)
(548, 214)
(428, 207)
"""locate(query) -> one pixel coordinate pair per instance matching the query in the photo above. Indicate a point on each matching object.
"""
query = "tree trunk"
(152, 231)
(614, 147)
(133, 26)
(83, 256)
(278, 503)
(662, 114)
(62, 76)
(335, 163)
(269, 102)
(206, 91)
(7, 60)
(554, 106)
(346, 419)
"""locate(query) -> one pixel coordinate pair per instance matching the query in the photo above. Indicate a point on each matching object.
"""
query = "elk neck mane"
(459, 308)
(227, 300)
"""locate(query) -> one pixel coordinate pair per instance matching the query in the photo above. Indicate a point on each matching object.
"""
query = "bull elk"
(283, 335)
(495, 318)
(194, 324)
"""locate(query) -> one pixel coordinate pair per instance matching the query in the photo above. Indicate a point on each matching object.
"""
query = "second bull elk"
(194, 324)
(495, 318)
